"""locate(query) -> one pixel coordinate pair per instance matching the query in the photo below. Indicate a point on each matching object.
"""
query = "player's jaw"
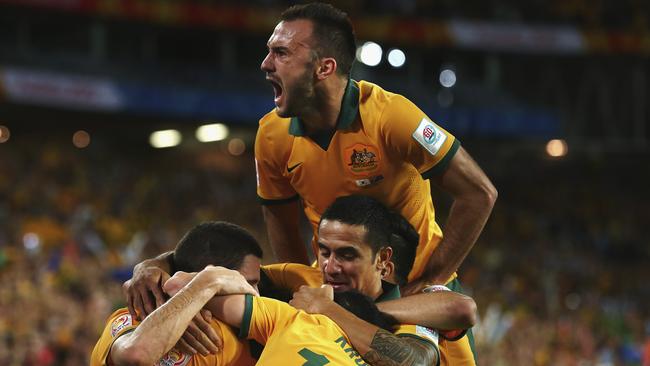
(292, 94)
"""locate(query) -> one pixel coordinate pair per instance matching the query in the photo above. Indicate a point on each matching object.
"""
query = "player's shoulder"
(378, 104)
(372, 92)
(272, 120)
(273, 133)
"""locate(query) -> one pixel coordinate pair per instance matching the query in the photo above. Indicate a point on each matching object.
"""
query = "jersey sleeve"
(262, 316)
(291, 276)
(273, 187)
(118, 324)
(235, 351)
(421, 333)
(411, 134)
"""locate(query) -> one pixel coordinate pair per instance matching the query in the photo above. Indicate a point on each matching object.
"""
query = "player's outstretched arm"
(283, 229)
(474, 196)
(160, 330)
(442, 310)
(377, 346)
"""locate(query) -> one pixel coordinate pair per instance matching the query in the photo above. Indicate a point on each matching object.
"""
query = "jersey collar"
(349, 111)
(389, 292)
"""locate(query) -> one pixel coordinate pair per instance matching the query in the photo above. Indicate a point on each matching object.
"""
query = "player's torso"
(359, 160)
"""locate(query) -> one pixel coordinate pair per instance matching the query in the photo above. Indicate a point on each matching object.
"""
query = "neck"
(324, 113)
(377, 292)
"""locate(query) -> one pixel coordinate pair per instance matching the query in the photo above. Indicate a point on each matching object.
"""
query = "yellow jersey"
(384, 146)
(291, 276)
(235, 352)
(294, 337)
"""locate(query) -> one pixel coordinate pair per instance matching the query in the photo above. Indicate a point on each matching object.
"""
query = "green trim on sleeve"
(248, 315)
(267, 202)
(444, 163)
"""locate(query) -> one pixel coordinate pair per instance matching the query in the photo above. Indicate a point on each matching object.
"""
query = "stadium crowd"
(558, 273)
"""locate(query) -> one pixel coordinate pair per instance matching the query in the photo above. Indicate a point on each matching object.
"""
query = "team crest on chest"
(362, 159)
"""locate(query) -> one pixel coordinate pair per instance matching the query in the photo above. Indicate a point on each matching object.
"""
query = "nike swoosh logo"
(291, 168)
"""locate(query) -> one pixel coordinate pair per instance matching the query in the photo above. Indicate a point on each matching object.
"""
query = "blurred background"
(125, 122)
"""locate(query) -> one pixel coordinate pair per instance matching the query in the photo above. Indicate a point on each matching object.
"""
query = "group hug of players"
(359, 161)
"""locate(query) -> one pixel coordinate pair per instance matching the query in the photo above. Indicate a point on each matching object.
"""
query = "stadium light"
(557, 148)
(81, 139)
(4, 134)
(447, 78)
(31, 242)
(396, 58)
(212, 132)
(236, 147)
(165, 138)
(370, 54)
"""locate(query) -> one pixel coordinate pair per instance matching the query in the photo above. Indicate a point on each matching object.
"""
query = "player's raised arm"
(283, 228)
(474, 196)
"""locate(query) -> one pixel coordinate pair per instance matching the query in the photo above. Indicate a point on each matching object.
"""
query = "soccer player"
(352, 236)
(357, 233)
(127, 341)
(294, 337)
(330, 136)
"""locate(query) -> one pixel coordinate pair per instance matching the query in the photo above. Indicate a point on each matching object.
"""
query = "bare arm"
(160, 330)
(229, 309)
(438, 310)
(474, 196)
(283, 229)
(144, 294)
(377, 346)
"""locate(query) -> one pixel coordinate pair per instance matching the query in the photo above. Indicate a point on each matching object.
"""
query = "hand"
(200, 337)
(144, 291)
(179, 280)
(229, 282)
(313, 300)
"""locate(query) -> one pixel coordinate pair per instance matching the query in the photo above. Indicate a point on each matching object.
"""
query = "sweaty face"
(250, 269)
(346, 260)
(289, 66)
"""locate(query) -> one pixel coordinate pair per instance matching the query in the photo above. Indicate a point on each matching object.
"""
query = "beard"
(299, 96)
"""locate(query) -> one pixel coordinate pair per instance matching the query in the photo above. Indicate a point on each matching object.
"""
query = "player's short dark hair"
(367, 212)
(404, 240)
(217, 243)
(365, 308)
(333, 32)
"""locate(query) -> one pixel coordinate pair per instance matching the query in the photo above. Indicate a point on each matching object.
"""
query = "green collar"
(389, 292)
(349, 110)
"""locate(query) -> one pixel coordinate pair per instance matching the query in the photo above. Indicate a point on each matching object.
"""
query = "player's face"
(289, 66)
(346, 260)
(250, 269)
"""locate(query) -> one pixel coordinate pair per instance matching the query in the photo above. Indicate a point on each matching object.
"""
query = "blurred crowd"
(631, 15)
(559, 273)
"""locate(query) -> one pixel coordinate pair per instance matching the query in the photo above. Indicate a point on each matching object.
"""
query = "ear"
(383, 259)
(326, 67)
(387, 273)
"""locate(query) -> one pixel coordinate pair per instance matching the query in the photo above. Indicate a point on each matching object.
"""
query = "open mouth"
(277, 90)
